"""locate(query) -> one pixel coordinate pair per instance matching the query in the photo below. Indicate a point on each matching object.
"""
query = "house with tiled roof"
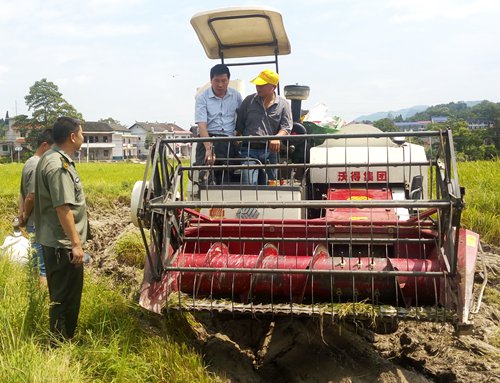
(104, 142)
(148, 132)
(14, 142)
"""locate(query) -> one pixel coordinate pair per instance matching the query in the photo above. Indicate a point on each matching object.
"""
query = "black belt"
(217, 135)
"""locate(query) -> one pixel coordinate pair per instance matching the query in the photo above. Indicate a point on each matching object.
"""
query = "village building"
(104, 141)
(148, 132)
(14, 141)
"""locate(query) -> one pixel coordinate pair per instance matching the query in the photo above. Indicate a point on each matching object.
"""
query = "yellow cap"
(267, 76)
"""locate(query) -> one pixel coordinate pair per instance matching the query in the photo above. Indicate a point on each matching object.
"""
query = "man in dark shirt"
(263, 114)
(27, 197)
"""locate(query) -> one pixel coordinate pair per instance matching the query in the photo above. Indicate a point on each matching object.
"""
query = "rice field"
(116, 341)
(104, 184)
(482, 198)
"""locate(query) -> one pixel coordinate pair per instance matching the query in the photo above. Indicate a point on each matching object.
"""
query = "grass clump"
(129, 249)
(491, 296)
(495, 339)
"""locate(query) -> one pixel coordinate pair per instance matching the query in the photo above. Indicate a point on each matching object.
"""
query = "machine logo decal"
(216, 212)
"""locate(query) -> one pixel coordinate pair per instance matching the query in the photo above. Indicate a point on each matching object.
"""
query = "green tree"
(487, 111)
(470, 144)
(3, 127)
(490, 152)
(148, 141)
(23, 122)
(46, 104)
(111, 121)
(386, 125)
(492, 137)
(452, 109)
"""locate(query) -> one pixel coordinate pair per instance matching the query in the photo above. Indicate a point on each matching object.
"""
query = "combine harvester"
(361, 225)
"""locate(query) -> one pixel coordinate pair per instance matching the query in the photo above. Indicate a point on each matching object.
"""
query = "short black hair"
(219, 69)
(63, 128)
(45, 136)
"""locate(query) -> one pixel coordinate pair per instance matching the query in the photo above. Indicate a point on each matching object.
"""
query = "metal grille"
(341, 225)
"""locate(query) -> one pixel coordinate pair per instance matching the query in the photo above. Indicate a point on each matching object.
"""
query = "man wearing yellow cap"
(263, 113)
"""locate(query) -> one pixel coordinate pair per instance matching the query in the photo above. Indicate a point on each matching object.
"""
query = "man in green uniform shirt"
(62, 225)
(27, 196)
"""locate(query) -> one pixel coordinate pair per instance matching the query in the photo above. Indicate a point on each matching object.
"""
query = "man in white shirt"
(215, 114)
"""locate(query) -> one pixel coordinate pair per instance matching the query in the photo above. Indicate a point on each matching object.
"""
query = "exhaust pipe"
(296, 93)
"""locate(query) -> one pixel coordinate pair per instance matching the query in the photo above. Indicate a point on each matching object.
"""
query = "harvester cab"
(361, 224)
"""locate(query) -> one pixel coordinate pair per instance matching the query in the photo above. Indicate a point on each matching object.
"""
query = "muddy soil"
(306, 350)
(106, 226)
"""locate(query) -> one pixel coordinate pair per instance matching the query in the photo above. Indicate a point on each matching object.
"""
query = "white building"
(104, 142)
(14, 142)
(148, 132)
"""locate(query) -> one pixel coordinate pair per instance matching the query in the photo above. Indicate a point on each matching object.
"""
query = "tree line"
(477, 144)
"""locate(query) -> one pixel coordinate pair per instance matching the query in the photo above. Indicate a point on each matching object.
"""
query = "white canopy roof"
(241, 32)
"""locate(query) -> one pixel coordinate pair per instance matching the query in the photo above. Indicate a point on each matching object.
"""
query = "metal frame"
(178, 230)
(274, 42)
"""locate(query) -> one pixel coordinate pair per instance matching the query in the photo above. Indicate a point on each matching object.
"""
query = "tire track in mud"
(298, 351)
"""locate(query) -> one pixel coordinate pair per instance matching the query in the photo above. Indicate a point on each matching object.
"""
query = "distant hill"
(405, 113)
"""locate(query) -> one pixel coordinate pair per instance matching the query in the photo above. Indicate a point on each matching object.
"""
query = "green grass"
(116, 341)
(106, 183)
(9, 193)
(482, 198)
(129, 249)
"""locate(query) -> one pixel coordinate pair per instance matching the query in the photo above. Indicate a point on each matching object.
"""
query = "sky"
(140, 60)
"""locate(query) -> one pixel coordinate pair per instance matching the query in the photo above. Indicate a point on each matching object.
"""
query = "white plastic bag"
(319, 116)
(16, 248)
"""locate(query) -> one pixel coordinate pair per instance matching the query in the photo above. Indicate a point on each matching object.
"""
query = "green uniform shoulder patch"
(64, 162)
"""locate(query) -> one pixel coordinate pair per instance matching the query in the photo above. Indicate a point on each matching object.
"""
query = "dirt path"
(298, 350)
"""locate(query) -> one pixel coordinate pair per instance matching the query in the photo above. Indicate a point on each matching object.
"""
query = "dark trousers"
(223, 152)
(65, 283)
